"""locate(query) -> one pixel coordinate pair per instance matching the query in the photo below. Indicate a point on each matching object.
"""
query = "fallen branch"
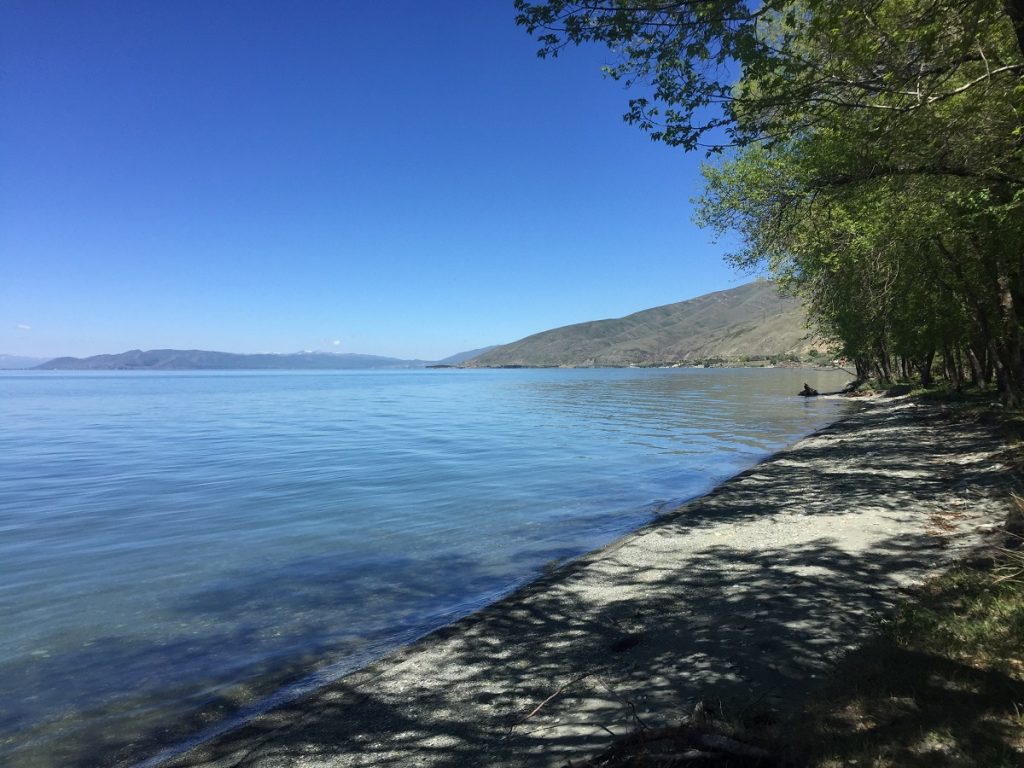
(544, 703)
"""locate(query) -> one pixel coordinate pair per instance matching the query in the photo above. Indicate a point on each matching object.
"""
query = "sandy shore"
(745, 595)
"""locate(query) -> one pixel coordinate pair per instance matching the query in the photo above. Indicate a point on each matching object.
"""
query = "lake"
(180, 550)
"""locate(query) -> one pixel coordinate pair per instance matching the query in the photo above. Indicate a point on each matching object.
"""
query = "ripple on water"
(176, 546)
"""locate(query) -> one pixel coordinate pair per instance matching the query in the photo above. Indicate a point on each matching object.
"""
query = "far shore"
(749, 594)
(811, 365)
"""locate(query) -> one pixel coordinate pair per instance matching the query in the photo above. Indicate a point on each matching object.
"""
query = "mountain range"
(752, 320)
(19, 362)
(198, 359)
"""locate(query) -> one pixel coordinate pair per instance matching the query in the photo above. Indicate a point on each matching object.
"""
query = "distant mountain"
(753, 320)
(750, 320)
(196, 359)
(19, 362)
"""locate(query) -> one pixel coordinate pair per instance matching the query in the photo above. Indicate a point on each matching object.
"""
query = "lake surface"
(180, 549)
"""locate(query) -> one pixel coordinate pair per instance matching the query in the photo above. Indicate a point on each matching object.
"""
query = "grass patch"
(941, 685)
(938, 392)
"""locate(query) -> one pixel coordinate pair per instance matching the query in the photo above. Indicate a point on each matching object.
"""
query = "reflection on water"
(176, 546)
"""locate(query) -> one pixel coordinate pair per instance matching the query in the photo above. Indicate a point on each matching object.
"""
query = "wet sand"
(747, 595)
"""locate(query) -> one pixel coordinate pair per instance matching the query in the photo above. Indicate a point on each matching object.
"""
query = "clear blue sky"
(402, 178)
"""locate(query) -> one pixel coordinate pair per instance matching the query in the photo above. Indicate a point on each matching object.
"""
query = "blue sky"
(402, 178)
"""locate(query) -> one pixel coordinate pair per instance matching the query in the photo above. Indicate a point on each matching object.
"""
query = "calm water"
(176, 546)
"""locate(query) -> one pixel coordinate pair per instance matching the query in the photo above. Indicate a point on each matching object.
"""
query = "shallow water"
(175, 546)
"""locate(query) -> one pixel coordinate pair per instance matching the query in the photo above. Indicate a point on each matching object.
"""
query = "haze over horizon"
(406, 181)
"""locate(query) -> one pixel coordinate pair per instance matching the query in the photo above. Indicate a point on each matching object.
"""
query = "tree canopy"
(869, 153)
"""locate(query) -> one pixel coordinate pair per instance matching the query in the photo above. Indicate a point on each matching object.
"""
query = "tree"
(797, 63)
(873, 155)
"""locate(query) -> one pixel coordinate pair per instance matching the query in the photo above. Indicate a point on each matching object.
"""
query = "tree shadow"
(919, 710)
(218, 667)
(749, 595)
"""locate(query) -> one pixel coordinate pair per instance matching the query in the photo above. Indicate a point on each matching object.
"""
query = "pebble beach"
(748, 594)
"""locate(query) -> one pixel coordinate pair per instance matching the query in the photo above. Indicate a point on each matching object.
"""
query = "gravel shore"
(748, 594)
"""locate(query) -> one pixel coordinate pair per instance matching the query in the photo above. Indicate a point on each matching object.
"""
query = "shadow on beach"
(748, 595)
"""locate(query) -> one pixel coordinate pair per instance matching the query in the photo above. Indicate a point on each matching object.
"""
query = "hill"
(751, 320)
(197, 359)
(19, 362)
(462, 357)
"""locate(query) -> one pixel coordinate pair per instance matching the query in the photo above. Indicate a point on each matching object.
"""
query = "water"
(177, 546)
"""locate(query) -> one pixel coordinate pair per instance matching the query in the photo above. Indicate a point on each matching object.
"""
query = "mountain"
(462, 357)
(19, 362)
(751, 320)
(196, 359)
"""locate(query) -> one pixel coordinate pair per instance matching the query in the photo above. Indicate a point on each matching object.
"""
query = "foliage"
(801, 62)
(872, 158)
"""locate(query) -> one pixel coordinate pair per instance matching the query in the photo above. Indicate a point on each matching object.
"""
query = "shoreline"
(747, 593)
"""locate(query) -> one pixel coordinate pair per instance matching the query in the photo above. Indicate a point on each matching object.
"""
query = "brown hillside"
(750, 320)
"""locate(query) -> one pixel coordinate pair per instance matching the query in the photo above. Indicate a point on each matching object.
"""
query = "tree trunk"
(904, 368)
(863, 368)
(925, 369)
(948, 368)
(979, 378)
(884, 364)
(1015, 10)
(1010, 346)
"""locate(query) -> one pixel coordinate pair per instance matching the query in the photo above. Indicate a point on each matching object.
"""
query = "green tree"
(873, 156)
(796, 64)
